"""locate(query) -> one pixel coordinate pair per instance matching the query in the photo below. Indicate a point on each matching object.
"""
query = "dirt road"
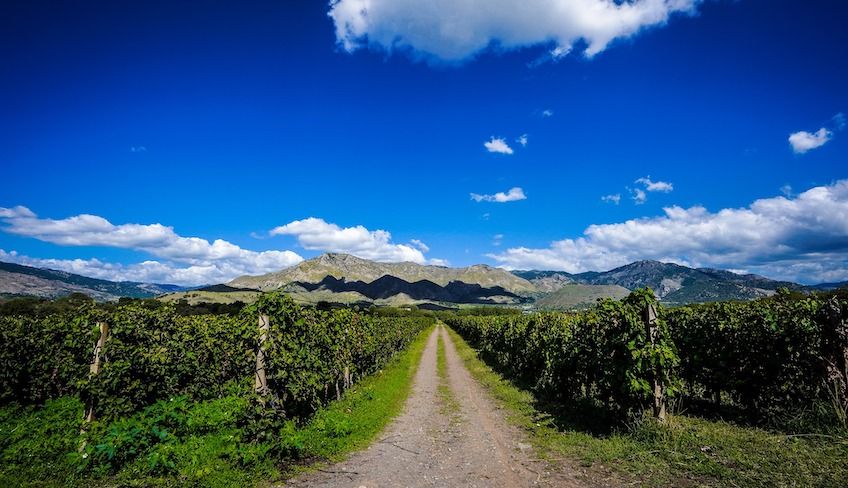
(464, 442)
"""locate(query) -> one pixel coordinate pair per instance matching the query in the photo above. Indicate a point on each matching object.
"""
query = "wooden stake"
(94, 367)
(650, 317)
(261, 383)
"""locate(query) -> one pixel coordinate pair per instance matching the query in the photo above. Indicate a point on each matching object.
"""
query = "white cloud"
(802, 238)
(455, 30)
(420, 245)
(438, 262)
(145, 272)
(551, 56)
(206, 262)
(317, 235)
(497, 239)
(17, 212)
(138, 149)
(497, 145)
(522, 139)
(786, 190)
(803, 141)
(614, 198)
(513, 195)
(660, 186)
(839, 121)
(547, 113)
(639, 196)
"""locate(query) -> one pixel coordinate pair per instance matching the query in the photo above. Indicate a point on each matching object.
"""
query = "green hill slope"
(573, 295)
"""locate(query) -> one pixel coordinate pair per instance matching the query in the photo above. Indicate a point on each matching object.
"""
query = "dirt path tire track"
(493, 449)
(428, 446)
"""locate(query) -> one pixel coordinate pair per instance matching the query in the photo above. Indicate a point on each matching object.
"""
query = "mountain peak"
(330, 257)
(353, 268)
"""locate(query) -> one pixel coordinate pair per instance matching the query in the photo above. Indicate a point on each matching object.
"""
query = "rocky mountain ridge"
(352, 268)
(20, 280)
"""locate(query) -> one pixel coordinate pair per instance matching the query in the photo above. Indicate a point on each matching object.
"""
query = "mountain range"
(19, 280)
(343, 278)
(672, 283)
(352, 268)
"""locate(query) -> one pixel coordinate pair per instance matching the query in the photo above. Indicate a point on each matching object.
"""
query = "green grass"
(449, 405)
(181, 443)
(354, 421)
(687, 451)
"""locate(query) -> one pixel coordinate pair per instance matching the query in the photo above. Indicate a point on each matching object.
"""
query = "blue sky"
(191, 143)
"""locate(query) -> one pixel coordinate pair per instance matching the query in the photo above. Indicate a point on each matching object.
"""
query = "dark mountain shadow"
(388, 286)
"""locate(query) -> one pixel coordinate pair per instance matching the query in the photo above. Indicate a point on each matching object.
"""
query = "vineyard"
(768, 360)
(147, 375)
(140, 391)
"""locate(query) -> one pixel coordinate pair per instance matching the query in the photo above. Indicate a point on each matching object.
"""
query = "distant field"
(195, 297)
(579, 296)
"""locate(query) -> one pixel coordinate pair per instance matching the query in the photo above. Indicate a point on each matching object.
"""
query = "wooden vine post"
(95, 366)
(261, 381)
(835, 355)
(650, 318)
(93, 370)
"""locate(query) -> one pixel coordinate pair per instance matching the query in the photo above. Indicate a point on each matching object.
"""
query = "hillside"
(830, 286)
(673, 283)
(574, 295)
(19, 280)
(676, 284)
(352, 268)
(546, 281)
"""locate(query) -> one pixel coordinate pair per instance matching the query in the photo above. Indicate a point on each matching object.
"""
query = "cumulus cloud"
(318, 235)
(455, 30)
(497, 145)
(803, 238)
(547, 113)
(522, 139)
(188, 260)
(660, 186)
(150, 271)
(639, 196)
(420, 245)
(803, 141)
(513, 195)
(614, 198)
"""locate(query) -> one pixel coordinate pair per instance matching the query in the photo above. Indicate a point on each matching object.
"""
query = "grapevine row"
(768, 358)
(154, 354)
